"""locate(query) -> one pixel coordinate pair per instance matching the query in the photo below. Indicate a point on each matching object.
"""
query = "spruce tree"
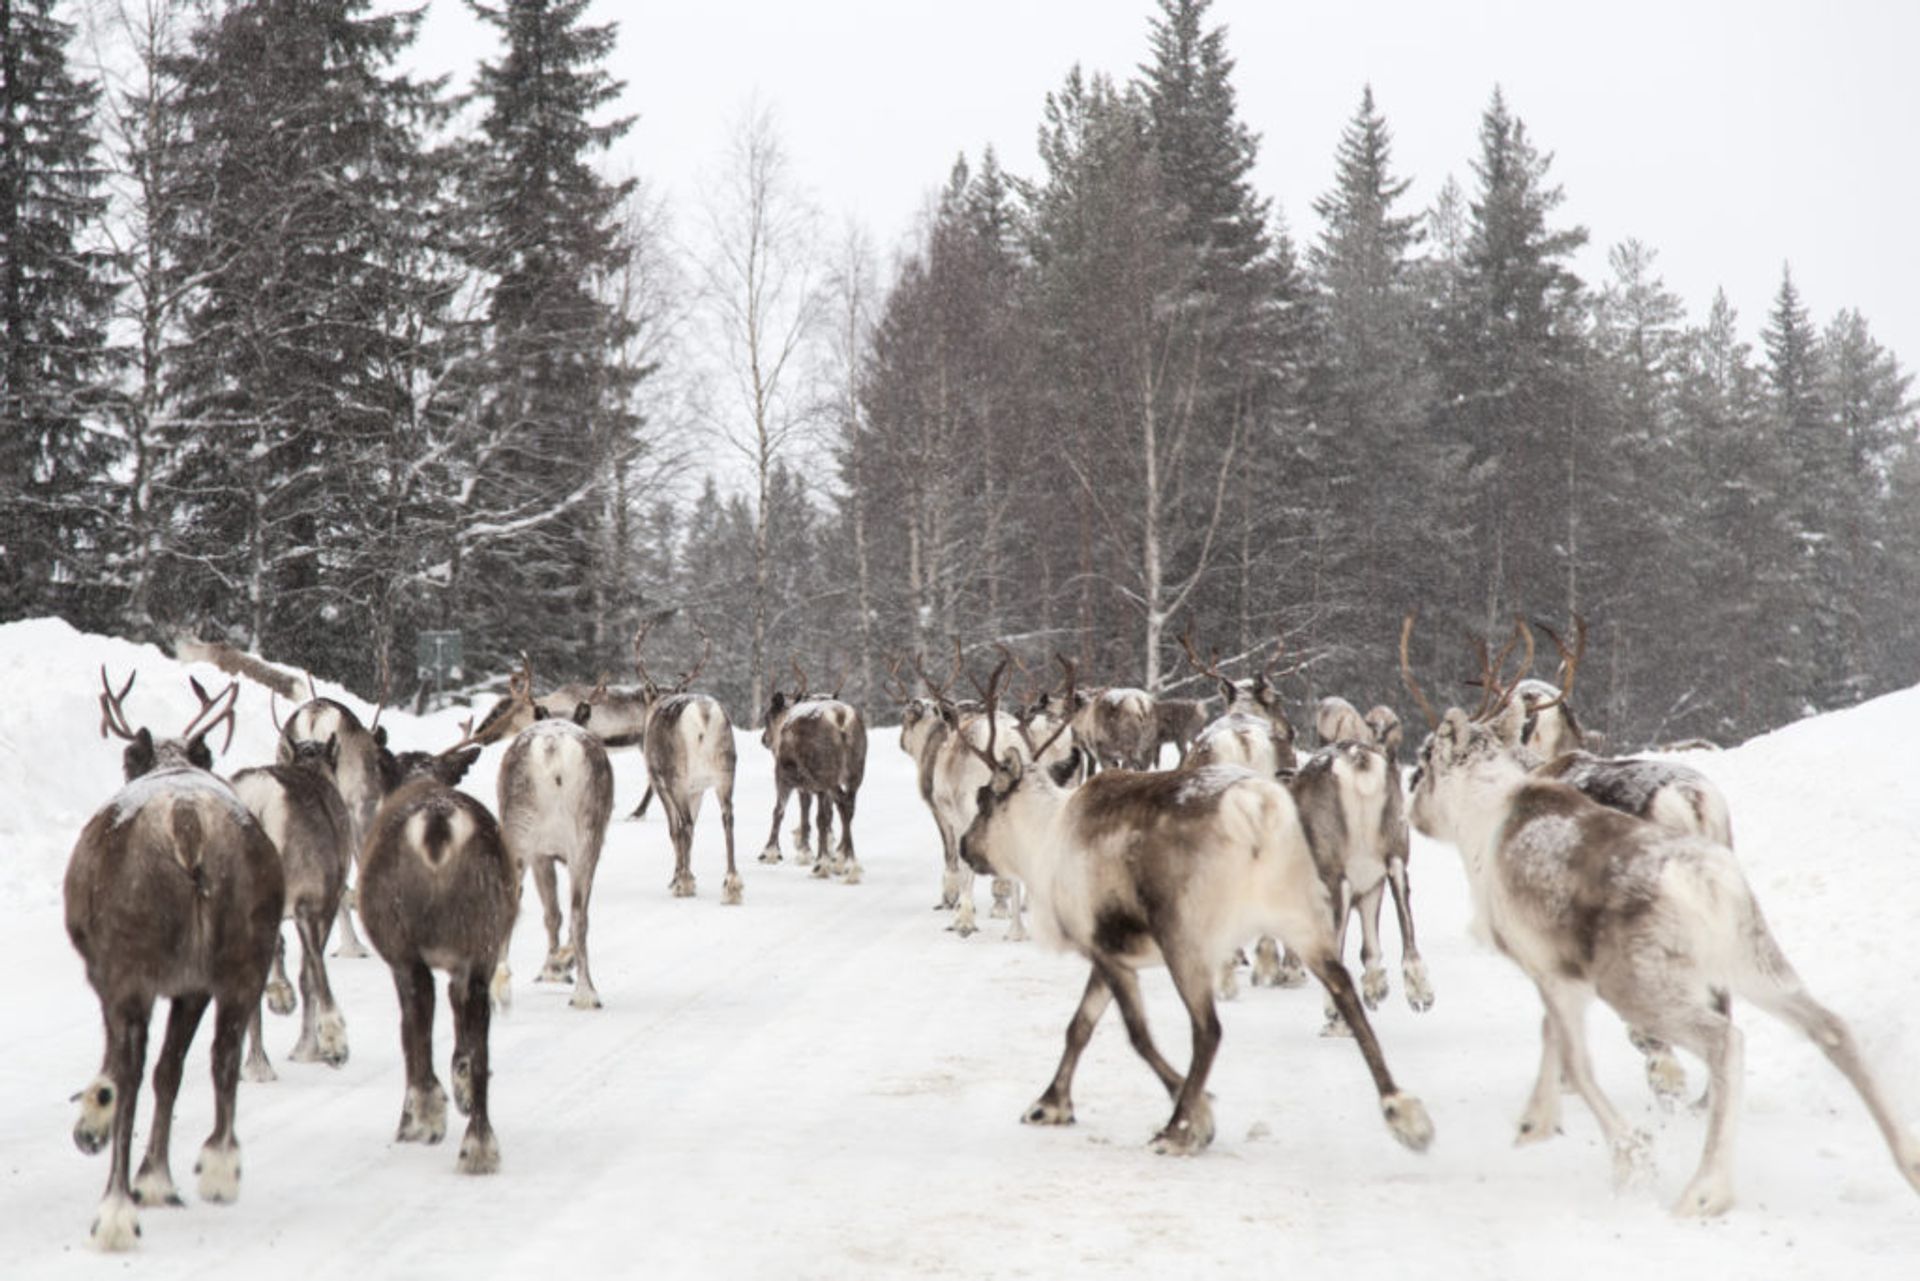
(298, 204)
(57, 527)
(556, 420)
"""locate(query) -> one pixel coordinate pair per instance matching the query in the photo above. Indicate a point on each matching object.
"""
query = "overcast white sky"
(1731, 137)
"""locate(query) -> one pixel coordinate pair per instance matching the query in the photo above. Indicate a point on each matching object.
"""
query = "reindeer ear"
(1512, 722)
(582, 713)
(1012, 767)
(380, 735)
(199, 755)
(138, 758)
(779, 703)
(1067, 769)
(949, 714)
(540, 712)
(453, 767)
(1229, 691)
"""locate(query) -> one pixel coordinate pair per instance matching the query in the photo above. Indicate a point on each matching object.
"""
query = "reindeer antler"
(112, 716)
(1210, 667)
(386, 689)
(1569, 662)
(212, 712)
(687, 677)
(938, 688)
(991, 696)
(894, 687)
(799, 675)
(639, 663)
(1406, 671)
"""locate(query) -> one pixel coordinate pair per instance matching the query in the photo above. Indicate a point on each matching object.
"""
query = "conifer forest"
(309, 354)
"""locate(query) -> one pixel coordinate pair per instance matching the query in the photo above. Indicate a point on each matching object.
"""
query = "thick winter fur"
(440, 891)
(1179, 868)
(958, 775)
(556, 795)
(1118, 727)
(1177, 722)
(1351, 805)
(1336, 720)
(819, 749)
(689, 750)
(301, 811)
(1661, 926)
(173, 890)
(1677, 797)
(356, 773)
(1251, 732)
(1384, 724)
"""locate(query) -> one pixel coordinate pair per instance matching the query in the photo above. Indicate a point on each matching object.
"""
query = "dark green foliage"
(58, 531)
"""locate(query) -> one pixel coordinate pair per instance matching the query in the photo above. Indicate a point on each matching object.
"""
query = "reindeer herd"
(1599, 877)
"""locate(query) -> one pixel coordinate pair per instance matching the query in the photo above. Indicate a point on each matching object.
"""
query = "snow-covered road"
(825, 1083)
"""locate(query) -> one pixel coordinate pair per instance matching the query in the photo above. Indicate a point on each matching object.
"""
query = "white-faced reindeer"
(556, 795)
(299, 807)
(1176, 868)
(819, 747)
(439, 890)
(688, 743)
(173, 890)
(1663, 927)
(356, 773)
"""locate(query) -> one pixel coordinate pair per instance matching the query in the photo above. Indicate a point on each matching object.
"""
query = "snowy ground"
(825, 1083)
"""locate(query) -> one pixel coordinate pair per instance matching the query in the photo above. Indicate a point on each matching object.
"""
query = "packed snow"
(824, 1082)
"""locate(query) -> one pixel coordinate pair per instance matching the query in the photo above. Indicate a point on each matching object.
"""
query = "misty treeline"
(310, 355)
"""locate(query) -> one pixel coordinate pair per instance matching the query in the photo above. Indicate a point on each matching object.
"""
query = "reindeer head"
(144, 754)
(1010, 777)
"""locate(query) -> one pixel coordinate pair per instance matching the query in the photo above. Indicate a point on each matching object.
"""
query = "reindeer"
(173, 890)
(1336, 720)
(1117, 727)
(1253, 733)
(1664, 928)
(619, 716)
(1674, 796)
(300, 809)
(688, 743)
(356, 773)
(1360, 854)
(440, 891)
(1178, 721)
(819, 747)
(556, 795)
(1135, 869)
(1383, 724)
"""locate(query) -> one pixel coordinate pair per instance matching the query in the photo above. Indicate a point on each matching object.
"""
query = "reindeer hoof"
(1536, 1131)
(553, 972)
(258, 1070)
(822, 869)
(585, 999)
(1705, 1197)
(1418, 986)
(731, 891)
(479, 1152)
(771, 854)
(1633, 1163)
(154, 1187)
(219, 1171)
(352, 951)
(1049, 1111)
(681, 886)
(1335, 1026)
(423, 1118)
(1666, 1078)
(95, 1125)
(1374, 987)
(1185, 1136)
(280, 996)
(853, 873)
(117, 1225)
(1407, 1118)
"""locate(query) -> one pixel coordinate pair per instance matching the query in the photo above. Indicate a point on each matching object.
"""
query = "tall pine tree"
(556, 421)
(56, 518)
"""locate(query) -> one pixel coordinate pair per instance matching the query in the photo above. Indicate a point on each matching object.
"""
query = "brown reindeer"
(1177, 722)
(173, 890)
(556, 795)
(356, 773)
(819, 747)
(301, 811)
(440, 891)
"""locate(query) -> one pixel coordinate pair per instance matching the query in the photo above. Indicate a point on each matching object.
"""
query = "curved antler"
(639, 663)
(212, 712)
(991, 696)
(687, 677)
(1569, 662)
(112, 716)
(799, 675)
(1406, 671)
(386, 690)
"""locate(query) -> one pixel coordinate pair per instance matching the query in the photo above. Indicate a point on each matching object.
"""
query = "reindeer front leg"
(1055, 1105)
